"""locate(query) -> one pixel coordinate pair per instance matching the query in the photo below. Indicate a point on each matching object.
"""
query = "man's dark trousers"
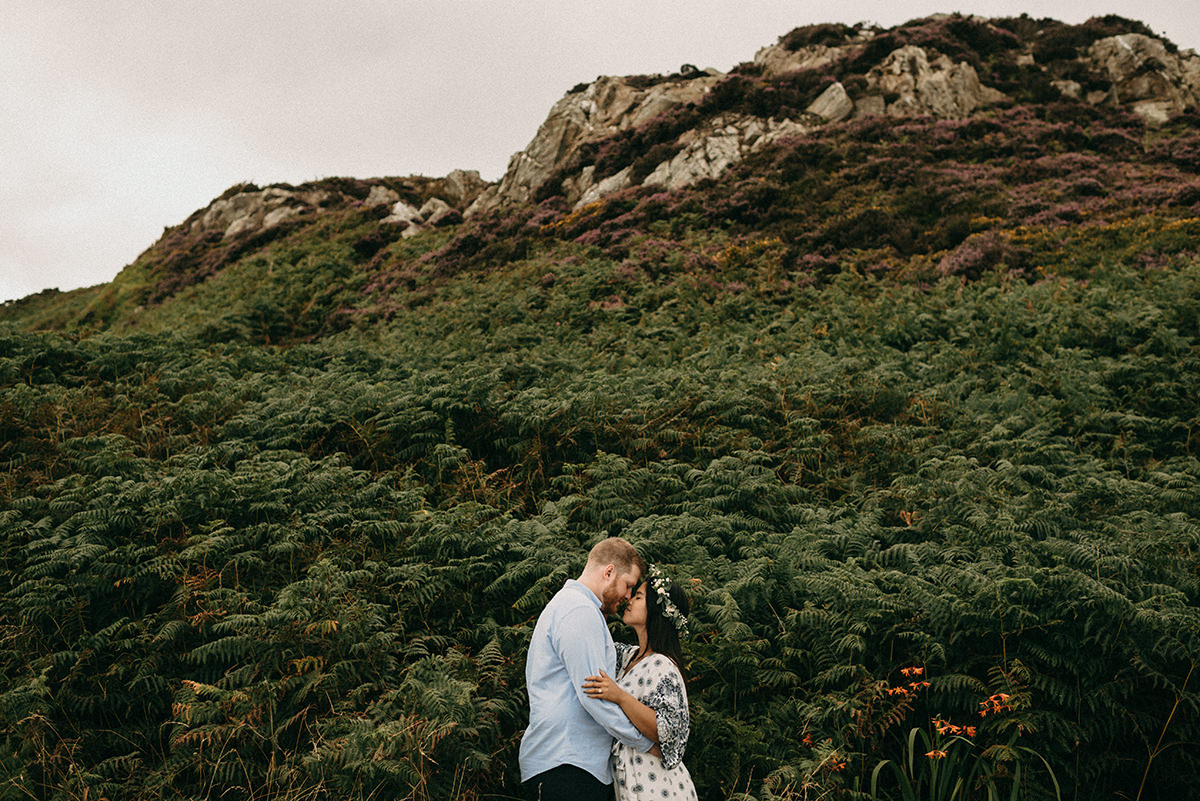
(566, 783)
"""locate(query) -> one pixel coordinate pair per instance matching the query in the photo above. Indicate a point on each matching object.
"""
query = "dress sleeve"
(623, 653)
(668, 698)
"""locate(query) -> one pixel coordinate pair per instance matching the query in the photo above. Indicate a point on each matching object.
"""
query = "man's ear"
(609, 572)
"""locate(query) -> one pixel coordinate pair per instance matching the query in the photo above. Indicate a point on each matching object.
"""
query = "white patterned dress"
(657, 683)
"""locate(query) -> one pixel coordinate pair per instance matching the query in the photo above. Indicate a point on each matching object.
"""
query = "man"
(565, 750)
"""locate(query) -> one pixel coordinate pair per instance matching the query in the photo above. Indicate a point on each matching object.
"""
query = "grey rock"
(1149, 80)
(716, 146)
(923, 86)
(403, 214)
(381, 196)
(832, 105)
(461, 187)
(871, 105)
(1070, 89)
(252, 210)
(607, 106)
(776, 60)
(613, 183)
(435, 210)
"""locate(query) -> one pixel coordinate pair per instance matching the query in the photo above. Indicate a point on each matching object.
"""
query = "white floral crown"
(662, 585)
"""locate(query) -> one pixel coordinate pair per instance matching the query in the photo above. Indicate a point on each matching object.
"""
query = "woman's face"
(635, 610)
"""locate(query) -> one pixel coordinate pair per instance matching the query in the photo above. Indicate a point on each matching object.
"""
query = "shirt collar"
(580, 587)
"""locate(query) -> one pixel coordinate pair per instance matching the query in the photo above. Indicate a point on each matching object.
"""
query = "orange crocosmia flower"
(936, 753)
(970, 730)
(911, 671)
(946, 727)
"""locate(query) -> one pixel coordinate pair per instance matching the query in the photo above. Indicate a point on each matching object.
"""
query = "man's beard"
(610, 602)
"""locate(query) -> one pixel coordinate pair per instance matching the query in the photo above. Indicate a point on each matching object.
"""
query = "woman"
(650, 690)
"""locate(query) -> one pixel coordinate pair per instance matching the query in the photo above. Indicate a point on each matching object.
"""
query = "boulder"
(461, 187)
(1069, 89)
(832, 105)
(605, 107)
(403, 213)
(716, 146)
(255, 209)
(434, 210)
(923, 86)
(776, 60)
(381, 196)
(281, 214)
(613, 183)
(870, 106)
(1153, 82)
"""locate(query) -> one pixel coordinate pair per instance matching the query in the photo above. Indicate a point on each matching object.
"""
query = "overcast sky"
(119, 118)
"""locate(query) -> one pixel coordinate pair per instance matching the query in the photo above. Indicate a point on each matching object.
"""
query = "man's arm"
(580, 639)
(642, 716)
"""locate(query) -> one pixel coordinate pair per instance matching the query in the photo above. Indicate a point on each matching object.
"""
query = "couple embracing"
(608, 720)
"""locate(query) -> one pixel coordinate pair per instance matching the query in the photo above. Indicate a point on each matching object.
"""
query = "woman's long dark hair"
(661, 634)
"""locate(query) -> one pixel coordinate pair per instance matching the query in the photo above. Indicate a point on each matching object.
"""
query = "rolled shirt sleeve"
(585, 647)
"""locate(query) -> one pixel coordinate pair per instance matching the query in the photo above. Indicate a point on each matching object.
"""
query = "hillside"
(886, 344)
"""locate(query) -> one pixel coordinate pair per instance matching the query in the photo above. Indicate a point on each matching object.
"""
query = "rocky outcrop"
(921, 85)
(605, 107)
(715, 147)
(1143, 75)
(584, 189)
(245, 209)
(247, 217)
(434, 213)
(908, 81)
(778, 60)
(381, 196)
(240, 212)
(1151, 81)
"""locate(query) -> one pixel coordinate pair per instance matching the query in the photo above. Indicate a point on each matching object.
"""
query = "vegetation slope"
(909, 407)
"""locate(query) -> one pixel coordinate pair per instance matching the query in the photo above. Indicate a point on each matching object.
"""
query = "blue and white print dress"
(657, 683)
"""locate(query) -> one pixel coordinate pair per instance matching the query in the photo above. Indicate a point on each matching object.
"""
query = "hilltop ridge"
(943, 67)
(670, 133)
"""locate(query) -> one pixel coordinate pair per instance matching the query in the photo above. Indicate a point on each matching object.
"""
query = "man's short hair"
(617, 552)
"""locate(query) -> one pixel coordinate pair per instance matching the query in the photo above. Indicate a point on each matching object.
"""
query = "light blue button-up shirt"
(566, 726)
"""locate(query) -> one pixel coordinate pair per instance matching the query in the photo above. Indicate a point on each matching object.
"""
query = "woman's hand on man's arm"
(640, 715)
